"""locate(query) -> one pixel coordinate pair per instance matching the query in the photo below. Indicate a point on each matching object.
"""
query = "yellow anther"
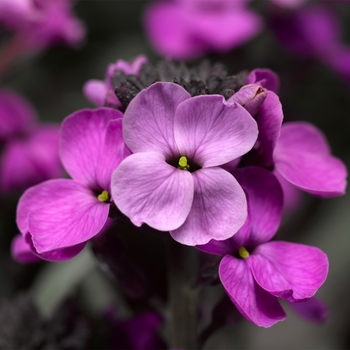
(243, 253)
(183, 163)
(103, 197)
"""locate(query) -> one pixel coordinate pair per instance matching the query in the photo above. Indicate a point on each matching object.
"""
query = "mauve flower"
(254, 271)
(101, 92)
(314, 32)
(42, 23)
(173, 181)
(184, 29)
(30, 149)
(58, 217)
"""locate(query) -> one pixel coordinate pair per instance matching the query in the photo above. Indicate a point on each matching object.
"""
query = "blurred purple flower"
(30, 150)
(57, 217)
(184, 29)
(313, 310)
(254, 271)
(173, 181)
(101, 92)
(42, 23)
(314, 32)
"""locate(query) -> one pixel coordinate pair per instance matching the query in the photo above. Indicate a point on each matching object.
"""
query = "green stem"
(182, 267)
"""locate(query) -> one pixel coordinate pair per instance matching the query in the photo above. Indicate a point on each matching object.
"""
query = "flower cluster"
(197, 153)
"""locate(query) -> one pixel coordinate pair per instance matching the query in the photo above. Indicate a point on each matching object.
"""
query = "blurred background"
(310, 90)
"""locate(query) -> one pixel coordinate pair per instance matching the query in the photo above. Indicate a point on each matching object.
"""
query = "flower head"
(173, 181)
(58, 217)
(254, 270)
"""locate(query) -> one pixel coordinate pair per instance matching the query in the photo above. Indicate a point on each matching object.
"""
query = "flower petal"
(112, 153)
(302, 157)
(289, 270)
(211, 132)
(95, 91)
(82, 139)
(148, 123)
(22, 252)
(254, 303)
(313, 310)
(218, 211)
(148, 190)
(265, 77)
(265, 202)
(60, 213)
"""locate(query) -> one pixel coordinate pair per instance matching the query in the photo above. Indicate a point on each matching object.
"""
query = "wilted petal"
(112, 153)
(265, 77)
(22, 252)
(302, 157)
(148, 123)
(148, 190)
(82, 141)
(211, 132)
(254, 303)
(95, 91)
(289, 270)
(218, 211)
(265, 202)
(59, 214)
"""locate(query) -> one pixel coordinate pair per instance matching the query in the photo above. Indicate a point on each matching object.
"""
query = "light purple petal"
(210, 132)
(126, 67)
(218, 211)
(265, 77)
(289, 270)
(148, 190)
(112, 153)
(16, 115)
(82, 141)
(269, 118)
(60, 213)
(254, 303)
(148, 123)
(302, 157)
(313, 310)
(22, 252)
(95, 91)
(265, 202)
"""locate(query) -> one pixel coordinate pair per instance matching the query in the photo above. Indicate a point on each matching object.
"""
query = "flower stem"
(182, 267)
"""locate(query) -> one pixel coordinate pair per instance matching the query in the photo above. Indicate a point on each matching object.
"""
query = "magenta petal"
(302, 157)
(82, 140)
(149, 119)
(254, 303)
(269, 117)
(265, 202)
(148, 190)
(22, 252)
(112, 153)
(218, 211)
(59, 214)
(265, 77)
(211, 132)
(289, 270)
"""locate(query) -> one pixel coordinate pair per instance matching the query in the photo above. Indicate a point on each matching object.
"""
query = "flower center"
(243, 253)
(183, 163)
(103, 196)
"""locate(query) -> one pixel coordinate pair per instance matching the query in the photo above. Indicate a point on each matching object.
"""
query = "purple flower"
(184, 29)
(42, 23)
(254, 271)
(102, 93)
(30, 150)
(313, 310)
(173, 181)
(58, 217)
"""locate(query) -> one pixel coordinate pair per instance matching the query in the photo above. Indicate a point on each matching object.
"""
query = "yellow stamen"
(183, 163)
(103, 197)
(243, 253)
